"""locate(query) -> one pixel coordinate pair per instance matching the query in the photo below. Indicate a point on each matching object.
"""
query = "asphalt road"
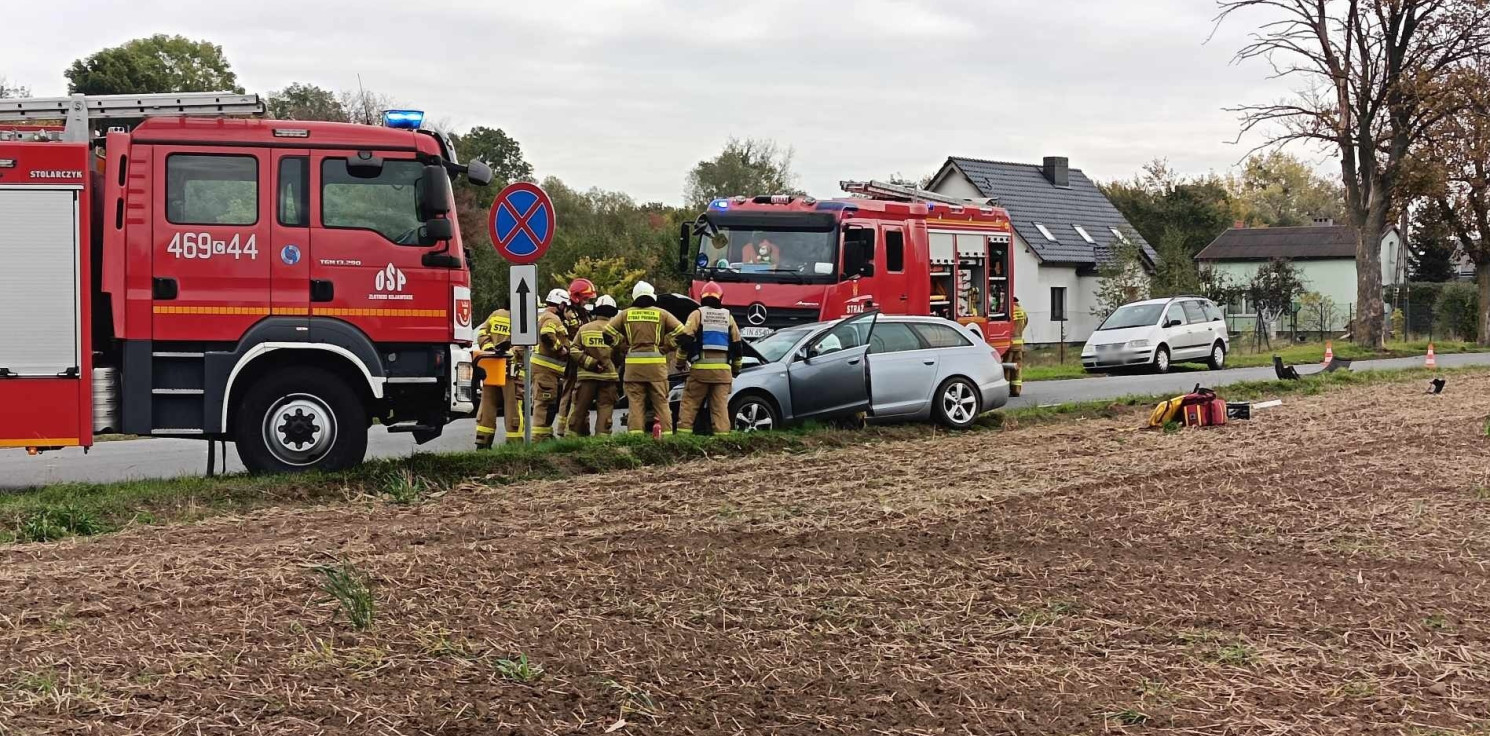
(152, 458)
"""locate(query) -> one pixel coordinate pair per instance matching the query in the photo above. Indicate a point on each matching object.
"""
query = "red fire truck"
(787, 260)
(215, 275)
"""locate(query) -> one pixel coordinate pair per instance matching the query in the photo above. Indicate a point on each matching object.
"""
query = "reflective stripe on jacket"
(594, 355)
(715, 330)
(496, 330)
(553, 342)
(1020, 320)
(645, 333)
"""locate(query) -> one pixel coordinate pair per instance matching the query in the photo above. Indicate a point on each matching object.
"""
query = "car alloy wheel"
(959, 404)
(753, 415)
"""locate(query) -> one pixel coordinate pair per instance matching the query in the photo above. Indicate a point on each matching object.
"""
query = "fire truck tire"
(957, 403)
(299, 420)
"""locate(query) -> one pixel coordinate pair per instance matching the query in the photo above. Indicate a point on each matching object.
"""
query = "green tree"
(1121, 279)
(500, 151)
(1272, 292)
(1159, 200)
(1457, 311)
(365, 107)
(9, 90)
(1318, 311)
(306, 102)
(1277, 189)
(1175, 274)
(747, 167)
(613, 276)
(159, 63)
(1219, 287)
(1431, 249)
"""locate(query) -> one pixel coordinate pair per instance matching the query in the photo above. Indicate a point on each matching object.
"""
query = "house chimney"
(1324, 222)
(1058, 171)
(1238, 224)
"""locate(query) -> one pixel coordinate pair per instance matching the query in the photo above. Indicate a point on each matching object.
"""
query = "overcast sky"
(629, 94)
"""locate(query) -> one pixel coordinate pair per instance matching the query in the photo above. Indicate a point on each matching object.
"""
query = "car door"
(904, 369)
(1202, 332)
(830, 376)
(1177, 332)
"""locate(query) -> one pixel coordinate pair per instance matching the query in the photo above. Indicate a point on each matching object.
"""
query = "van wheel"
(957, 404)
(1161, 360)
(298, 420)
(1218, 356)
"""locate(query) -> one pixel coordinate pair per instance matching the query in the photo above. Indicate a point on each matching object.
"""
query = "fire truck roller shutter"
(39, 287)
(334, 339)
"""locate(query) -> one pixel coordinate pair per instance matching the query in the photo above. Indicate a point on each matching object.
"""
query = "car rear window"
(893, 337)
(941, 336)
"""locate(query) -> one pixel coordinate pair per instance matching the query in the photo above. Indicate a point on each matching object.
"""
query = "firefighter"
(597, 381)
(581, 293)
(1016, 351)
(493, 338)
(550, 361)
(713, 339)
(647, 334)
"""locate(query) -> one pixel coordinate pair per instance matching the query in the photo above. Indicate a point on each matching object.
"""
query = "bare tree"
(1372, 75)
(1455, 169)
(8, 90)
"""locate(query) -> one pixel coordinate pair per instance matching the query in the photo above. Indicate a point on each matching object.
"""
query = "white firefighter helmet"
(605, 300)
(557, 297)
(642, 289)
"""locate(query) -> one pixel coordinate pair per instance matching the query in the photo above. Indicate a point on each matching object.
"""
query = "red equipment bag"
(1203, 408)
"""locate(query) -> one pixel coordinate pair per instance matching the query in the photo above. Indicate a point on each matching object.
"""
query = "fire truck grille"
(776, 318)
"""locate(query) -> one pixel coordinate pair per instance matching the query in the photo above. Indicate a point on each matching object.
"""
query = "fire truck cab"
(279, 284)
(787, 260)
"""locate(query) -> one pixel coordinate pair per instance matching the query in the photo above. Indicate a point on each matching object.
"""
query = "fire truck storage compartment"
(39, 334)
(959, 274)
(40, 344)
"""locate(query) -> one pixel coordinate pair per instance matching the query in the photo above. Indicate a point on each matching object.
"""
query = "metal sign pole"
(528, 397)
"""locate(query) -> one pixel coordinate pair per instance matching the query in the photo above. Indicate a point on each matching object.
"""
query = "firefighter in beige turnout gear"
(598, 384)
(494, 338)
(714, 340)
(550, 361)
(647, 335)
(581, 292)
(1015, 375)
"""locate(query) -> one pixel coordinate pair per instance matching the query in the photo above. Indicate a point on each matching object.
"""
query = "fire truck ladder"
(885, 190)
(81, 111)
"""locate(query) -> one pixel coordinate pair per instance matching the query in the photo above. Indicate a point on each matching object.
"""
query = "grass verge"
(83, 509)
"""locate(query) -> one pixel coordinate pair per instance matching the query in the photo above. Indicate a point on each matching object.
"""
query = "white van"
(1159, 333)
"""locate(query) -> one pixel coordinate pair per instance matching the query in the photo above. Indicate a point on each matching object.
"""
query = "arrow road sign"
(522, 290)
(522, 222)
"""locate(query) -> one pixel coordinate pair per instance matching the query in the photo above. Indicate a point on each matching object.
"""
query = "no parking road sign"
(522, 222)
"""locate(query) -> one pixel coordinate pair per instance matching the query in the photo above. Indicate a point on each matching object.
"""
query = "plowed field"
(1321, 569)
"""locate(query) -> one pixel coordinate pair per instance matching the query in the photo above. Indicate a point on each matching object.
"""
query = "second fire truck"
(787, 260)
(215, 275)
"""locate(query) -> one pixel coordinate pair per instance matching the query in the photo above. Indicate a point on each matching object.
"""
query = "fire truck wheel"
(957, 403)
(300, 420)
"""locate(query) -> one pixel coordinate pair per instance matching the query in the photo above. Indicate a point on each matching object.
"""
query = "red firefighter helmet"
(581, 291)
(712, 289)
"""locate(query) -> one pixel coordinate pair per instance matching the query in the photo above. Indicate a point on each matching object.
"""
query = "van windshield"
(1133, 315)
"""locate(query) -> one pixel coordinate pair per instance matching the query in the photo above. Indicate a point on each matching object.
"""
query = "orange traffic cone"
(1329, 352)
(1431, 361)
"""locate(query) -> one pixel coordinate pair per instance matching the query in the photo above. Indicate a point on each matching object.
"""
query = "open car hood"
(682, 305)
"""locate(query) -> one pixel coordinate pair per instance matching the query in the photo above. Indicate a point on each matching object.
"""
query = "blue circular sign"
(290, 254)
(521, 222)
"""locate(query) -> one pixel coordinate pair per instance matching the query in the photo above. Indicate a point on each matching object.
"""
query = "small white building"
(1064, 228)
(1322, 253)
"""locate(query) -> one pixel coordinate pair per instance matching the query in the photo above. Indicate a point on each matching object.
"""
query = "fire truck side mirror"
(437, 231)
(478, 173)
(434, 193)
(365, 165)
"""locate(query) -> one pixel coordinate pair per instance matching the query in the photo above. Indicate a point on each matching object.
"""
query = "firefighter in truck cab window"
(494, 340)
(581, 293)
(549, 364)
(713, 341)
(647, 334)
(598, 385)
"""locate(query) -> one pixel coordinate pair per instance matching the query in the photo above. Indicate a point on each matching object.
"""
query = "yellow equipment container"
(496, 370)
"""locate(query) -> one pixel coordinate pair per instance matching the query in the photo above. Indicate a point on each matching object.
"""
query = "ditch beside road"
(159, 458)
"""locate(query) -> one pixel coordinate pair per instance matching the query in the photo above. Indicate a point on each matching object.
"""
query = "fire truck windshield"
(770, 255)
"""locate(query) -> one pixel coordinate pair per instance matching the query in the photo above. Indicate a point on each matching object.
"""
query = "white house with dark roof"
(1064, 228)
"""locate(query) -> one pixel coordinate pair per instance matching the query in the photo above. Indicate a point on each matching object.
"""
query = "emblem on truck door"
(388, 285)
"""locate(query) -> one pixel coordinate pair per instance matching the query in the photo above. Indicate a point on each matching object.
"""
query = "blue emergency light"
(719, 204)
(409, 119)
